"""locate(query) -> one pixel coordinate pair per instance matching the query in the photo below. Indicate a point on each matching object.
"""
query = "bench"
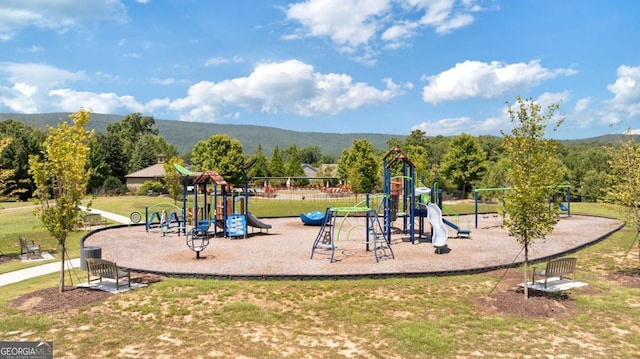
(106, 269)
(93, 219)
(26, 248)
(556, 268)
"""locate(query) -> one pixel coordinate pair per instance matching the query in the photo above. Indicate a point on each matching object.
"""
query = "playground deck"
(285, 251)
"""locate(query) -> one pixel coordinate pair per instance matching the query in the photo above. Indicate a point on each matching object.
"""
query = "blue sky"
(375, 66)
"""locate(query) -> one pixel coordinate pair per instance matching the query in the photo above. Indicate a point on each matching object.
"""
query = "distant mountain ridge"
(184, 135)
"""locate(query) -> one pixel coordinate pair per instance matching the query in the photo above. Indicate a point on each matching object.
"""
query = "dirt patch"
(513, 302)
(51, 300)
(629, 278)
(508, 298)
(5, 259)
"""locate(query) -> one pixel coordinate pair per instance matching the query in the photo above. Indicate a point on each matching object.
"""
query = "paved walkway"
(28, 273)
(112, 216)
(44, 269)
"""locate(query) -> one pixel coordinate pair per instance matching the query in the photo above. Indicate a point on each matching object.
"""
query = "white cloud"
(487, 80)
(69, 100)
(29, 83)
(363, 26)
(582, 104)
(291, 86)
(348, 23)
(34, 88)
(456, 126)
(626, 90)
(215, 61)
(56, 15)
(489, 126)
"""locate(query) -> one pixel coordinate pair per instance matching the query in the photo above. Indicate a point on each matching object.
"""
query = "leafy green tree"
(625, 191)
(8, 189)
(497, 176)
(113, 186)
(310, 155)
(106, 159)
(416, 138)
(359, 166)
(420, 159)
(533, 175)
(293, 168)
(26, 141)
(260, 167)
(465, 162)
(276, 165)
(173, 178)
(594, 186)
(61, 179)
(131, 131)
(492, 147)
(147, 149)
(220, 153)
(436, 148)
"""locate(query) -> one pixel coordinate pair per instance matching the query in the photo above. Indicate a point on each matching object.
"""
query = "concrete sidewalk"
(108, 215)
(27, 273)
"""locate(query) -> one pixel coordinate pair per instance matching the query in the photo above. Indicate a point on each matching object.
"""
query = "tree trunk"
(526, 270)
(61, 288)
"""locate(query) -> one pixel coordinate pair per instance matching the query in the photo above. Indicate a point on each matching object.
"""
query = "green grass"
(434, 317)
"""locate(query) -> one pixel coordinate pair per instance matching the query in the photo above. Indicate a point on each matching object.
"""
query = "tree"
(625, 190)
(106, 159)
(26, 140)
(147, 149)
(8, 189)
(293, 168)
(420, 159)
(311, 155)
(359, 167)
(276, 166)
(130, 131)
(260, 167)
(222, 154)
(533, 175)
(61, 179)
(173, 178)
(465, 162)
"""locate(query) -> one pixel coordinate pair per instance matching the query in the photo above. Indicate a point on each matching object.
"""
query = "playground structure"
(221, 209)
(417, 202)
(163, 218)
(375, 235)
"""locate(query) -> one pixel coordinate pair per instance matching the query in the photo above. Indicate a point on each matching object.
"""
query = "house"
(152, 173)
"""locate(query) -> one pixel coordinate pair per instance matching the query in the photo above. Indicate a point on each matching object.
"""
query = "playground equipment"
(314, 218)
(197, 240)
(439, 233)
(565, 208)
(393, 199)
(162, 221)
(374, 230)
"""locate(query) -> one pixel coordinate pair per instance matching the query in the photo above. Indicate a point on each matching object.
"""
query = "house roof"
(154, 171)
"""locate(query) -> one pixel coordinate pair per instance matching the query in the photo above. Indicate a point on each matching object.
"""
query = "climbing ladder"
(324, 240)
(381, 246)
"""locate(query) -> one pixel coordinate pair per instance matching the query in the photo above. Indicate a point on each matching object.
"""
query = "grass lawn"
(411, 317)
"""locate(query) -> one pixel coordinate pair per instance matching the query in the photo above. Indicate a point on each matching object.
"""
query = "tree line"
(458, 164)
